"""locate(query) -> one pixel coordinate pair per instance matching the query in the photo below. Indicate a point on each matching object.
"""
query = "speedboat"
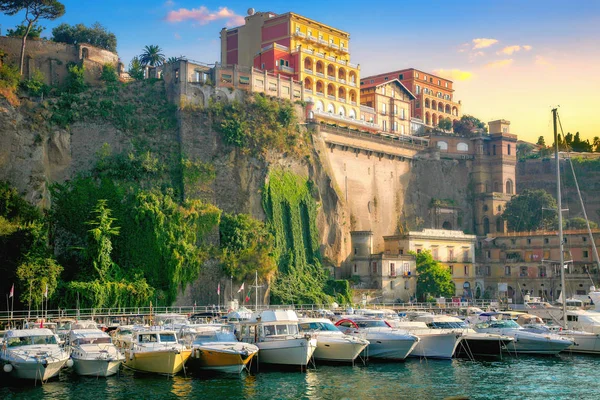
(432, 343)
(215, 348)
(524, 342)
(471, 344)
(276, 334)
(122, 336)
(157, 351)
(385, 342)
(33, 354)
(332, 344)
(93, 352)
(171, 321)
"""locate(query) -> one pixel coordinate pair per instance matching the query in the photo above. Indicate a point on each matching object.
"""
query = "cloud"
(454, 74)
(543, 62)
(169, 3)
(508, 50)
(499, 63)
(177, 36)
(482, 43)
(203, 16)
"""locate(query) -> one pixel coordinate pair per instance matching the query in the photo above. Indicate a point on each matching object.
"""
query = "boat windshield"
(28, 340)
(375, 323)
(272, 330)
(317, 326)
(167, 338)
(215, 336)
(448, 325)
(123, 332)
(92, 340)
(502, 324)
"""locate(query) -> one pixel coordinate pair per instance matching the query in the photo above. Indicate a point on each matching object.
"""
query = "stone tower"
(493, 176)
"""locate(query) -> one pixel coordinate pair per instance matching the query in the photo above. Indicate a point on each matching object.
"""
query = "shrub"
(35, 86)
(75, 82)
(109, 74)
(9, 76)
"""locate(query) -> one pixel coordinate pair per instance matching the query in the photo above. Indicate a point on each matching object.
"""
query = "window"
(542, 271)
(395, 126)
(488, 270)
(403, 113)
(528, 241)
(451, 254)
(447, 86)
(509, 149)
(392, 269)
(384, 125)
(546, 241)
(418, 89)
(466, 268)
(523, 272)
(416, 74)
(418, 251)
(434, 253)
(451, 269)
(262, 66)
(439, 82)
(374, 267)
(466, 255)
(401, 76)
(395, 109)
(355, 269)
(355, 250)
(417, 104)
(585, 254)
(402, 129)
(507, 270)
(425, 77)
(584, 239)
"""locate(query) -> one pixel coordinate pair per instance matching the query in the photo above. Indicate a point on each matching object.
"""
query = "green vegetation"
(136, 69)
(445, 124)
(469, 125)
(152, 55)
(291, 214)
(578, 223)
(35, 86)
(531, 210)
(9, 76)
(434, 280)
(34, 11)
(259, 124)
(19, 31)
(96, 35)
(109, 74)
(75, 82)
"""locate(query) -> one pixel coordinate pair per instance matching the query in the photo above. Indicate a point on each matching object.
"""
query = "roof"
(29, 332)
(87, 333)
(305, 320)
(277, 315)
(397, 81)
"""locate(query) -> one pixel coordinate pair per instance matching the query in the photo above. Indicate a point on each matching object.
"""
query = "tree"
(578, 223)
(433, 278)
(152, 56)
(445, 124)
(19, 31)
(35, 275)
(34, 11)
(524, 150)
(136, 70)
(96, 35)
(101, 232)
(531, 210)
(596, 144)
(469, 125)
(541, 141)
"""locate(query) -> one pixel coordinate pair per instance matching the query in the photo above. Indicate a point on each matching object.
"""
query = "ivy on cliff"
(291, 213)
(259, 124)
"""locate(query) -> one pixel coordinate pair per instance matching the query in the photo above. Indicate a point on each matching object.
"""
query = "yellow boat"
(156, 351)
(215, 348)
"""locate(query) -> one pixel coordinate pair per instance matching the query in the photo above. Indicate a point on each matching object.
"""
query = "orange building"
(387, 104)
(434, 95)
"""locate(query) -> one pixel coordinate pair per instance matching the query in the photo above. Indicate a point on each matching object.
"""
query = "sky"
(512, 59)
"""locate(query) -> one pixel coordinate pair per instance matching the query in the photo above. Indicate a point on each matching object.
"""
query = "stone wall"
(52, 58)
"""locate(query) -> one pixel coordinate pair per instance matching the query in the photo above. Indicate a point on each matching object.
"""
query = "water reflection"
(182, 387)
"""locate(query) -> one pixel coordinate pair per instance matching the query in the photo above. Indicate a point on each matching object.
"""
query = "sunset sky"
(509, 59)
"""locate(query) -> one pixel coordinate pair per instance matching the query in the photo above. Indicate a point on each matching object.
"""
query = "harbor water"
(563, 377)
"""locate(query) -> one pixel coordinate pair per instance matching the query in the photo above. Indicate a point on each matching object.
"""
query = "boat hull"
(221, 360)
(96, 367)
(390, 349)
(331, 349)
(584, 343)
(435, 345)
(547, 346)
(292, 352)
(475, 347)
(164, 362)
(37, 371)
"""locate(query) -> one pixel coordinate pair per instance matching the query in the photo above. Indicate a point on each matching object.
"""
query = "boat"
(524, 342)
(276, 334)
(122, 336)
(332, 344)
(385, 342)
(33, 354)
(432, 343)
(215, 348)
(93, 352)
(156, 350)
(471, 343)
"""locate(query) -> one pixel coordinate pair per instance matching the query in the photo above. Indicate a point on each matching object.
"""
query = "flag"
(46, 292)
(219, 289)
(247, 299)
(12, 291)
(241, 288)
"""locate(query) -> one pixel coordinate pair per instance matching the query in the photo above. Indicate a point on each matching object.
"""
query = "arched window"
(509, 187)
(497, 187)
(342, 111)
(447, 226)
(499, 225)
(319, 106)
(486, 225)
(442, 145)
(427, 103)
(462, 147)
(330, 108)
(352, 114)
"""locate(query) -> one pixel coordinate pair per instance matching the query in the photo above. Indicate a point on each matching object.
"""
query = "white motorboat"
(471, 344)
(276, 334)
(93, 352)
(524, 342)
(432, 343)
(215, 348)
(156, 350)
(332, 344)
(33, 354)
(385, 342)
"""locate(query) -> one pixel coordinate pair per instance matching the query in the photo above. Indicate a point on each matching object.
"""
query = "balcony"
(318, 54)
(331, 78)
(330, 97)
(342, 100)
(331, 58)
(344, 49)
(319, 93)
(300, 34)
(343, 62)
(308, 91)
(347, 119)
(342, 81)
(352, 84)
(308, 71)
(353, 103)
(352, 65)
(287, 69)
(322, 41)
(334, 46)
(312, 38)
(320, 74)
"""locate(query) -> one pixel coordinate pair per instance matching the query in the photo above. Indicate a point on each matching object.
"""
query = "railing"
(320, 94)
(311, 38)
(353, 103)
(321, 41)
(352, 65)
(309, 91)
(308, 71)
(341, 80)
(322, 55)
(330, 97)
(330, 58)
(331, 77)
(286, 69)
(345, 119)
(341, 100)
(320, 74)
(333, 45)
(301, 34)
(345, 49)
(352, 84)
(343, 62)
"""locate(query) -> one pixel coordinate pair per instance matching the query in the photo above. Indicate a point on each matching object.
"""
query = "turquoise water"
(563, 377)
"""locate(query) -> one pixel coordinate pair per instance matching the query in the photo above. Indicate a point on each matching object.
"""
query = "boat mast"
(560, 221)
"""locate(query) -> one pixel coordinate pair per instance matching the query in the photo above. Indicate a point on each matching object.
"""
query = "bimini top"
(276, 316)
(88, 333)
(29, 332)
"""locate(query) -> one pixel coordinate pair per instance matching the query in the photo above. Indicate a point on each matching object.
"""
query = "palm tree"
(596, 144)
(172, 60)
(152, 56)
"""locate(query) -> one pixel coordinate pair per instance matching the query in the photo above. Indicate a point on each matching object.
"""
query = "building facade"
(390, 105)
(453, 249)
(528, 262)
(392, 275)
(434, 95)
